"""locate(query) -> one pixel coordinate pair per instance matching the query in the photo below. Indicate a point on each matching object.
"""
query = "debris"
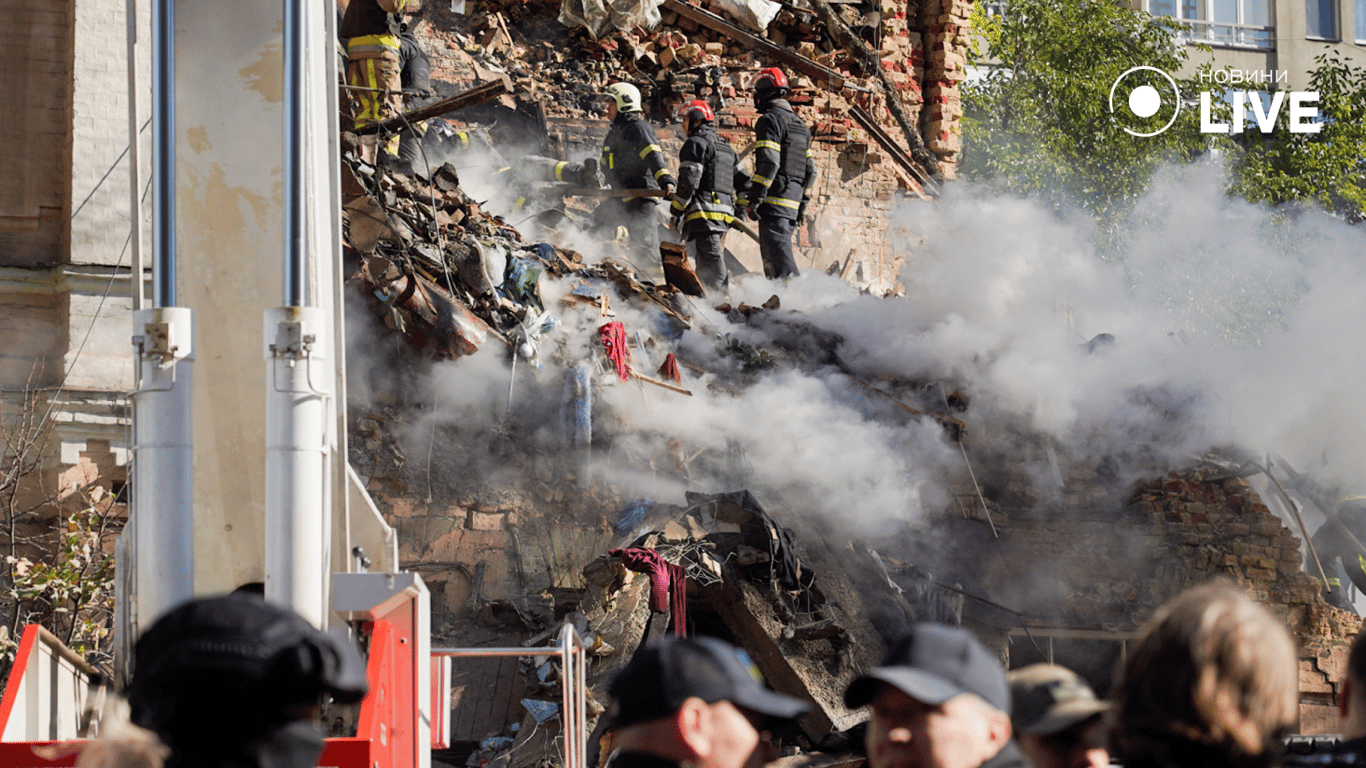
(832, 79)
(471, 96)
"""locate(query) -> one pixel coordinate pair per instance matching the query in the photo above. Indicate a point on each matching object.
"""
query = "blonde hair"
(1211, 667)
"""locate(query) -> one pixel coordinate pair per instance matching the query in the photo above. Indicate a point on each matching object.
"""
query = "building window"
(1234, 23)
(1361, 21)
(1320, 19)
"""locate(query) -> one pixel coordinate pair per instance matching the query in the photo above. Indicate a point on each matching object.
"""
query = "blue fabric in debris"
(667, 326)
(632, 515)
(541, 711)
(521, 280)
(587, 291)
(545, 252)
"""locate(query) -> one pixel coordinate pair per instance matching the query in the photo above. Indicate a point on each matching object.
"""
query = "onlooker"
(235, 681)
(694, 701)
(1058, 721)
(1211, 681)
(939, 700)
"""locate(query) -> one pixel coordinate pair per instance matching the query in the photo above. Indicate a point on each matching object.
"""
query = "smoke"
(1232, 325)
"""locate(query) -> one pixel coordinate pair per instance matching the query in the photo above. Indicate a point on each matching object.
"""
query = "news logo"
(1143, 89)
(1147, 94)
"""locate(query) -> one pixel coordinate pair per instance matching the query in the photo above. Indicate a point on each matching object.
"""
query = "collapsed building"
(513, 379)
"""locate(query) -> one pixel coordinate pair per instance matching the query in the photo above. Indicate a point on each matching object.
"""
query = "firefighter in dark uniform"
(415, 75)
(703, 206)
(633, 159)
(784, 172)
(1339, 555)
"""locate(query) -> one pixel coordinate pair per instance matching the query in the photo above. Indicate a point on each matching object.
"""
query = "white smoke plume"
(1233, 325)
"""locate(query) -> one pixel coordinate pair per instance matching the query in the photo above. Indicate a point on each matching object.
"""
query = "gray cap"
(1049, 698)
(933, 664)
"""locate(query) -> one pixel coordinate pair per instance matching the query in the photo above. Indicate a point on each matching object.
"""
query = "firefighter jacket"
(784, 168)
(631, 156)
(706, 194)
(415, 69)
(371, 28)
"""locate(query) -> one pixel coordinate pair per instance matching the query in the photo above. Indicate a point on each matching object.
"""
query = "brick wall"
(34, 168)
(1086, 559)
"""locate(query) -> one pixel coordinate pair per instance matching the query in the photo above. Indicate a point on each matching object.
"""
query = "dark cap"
(932, 664)
(1049, 698)
(664, 674)
(236, 654)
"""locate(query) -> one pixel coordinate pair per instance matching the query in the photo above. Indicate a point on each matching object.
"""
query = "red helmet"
(697, 108)
(768, 79)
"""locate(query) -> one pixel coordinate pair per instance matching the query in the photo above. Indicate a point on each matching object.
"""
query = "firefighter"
(704, 205)
(632, 159)
(372, 30)
(415, 77)
(1338, 555)
(784, 172)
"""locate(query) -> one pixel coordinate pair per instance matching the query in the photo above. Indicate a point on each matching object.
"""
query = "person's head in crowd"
(1057, 719)
(1211, 680)
(939, 700)
(236, 681)
(695, 701)
(1352, 698)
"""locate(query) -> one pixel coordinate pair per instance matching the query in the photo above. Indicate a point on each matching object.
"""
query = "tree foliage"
(1328, 167)
(1040, 122)
(55, 565)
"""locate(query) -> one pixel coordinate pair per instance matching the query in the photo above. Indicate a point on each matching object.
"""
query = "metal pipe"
(163, 153)
(163, 462)
(134, 162)
(297, 540)
(295, 159)
(477, 652)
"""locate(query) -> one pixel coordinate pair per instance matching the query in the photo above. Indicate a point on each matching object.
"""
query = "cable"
(99, 183)
(995, 534)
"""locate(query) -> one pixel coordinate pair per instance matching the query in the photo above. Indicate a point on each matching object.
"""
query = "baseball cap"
(664, 674)
(933, 664)
(1049, 698)
(236, 654)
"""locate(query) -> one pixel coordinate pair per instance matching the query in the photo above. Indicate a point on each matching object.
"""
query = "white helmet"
(626, 95)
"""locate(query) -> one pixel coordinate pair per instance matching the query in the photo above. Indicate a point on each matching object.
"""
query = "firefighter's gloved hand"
(675, 221)
(751, 214)
(592, 175)
(801, 212)
(668, 191)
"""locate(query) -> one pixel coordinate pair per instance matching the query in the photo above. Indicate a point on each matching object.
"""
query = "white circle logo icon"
(1145, 100)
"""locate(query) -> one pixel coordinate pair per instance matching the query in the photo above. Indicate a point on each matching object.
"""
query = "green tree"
(1328, 167)
(1040, 122)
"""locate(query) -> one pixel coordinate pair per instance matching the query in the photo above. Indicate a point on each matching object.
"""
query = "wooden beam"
(827, 76)
(898, 155)
(479, 94)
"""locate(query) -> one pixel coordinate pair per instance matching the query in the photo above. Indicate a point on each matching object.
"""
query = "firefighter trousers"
(775, 246)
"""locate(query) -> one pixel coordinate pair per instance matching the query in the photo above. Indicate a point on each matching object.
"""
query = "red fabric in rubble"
(669, 370)
(663, 576)
(614, 339)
